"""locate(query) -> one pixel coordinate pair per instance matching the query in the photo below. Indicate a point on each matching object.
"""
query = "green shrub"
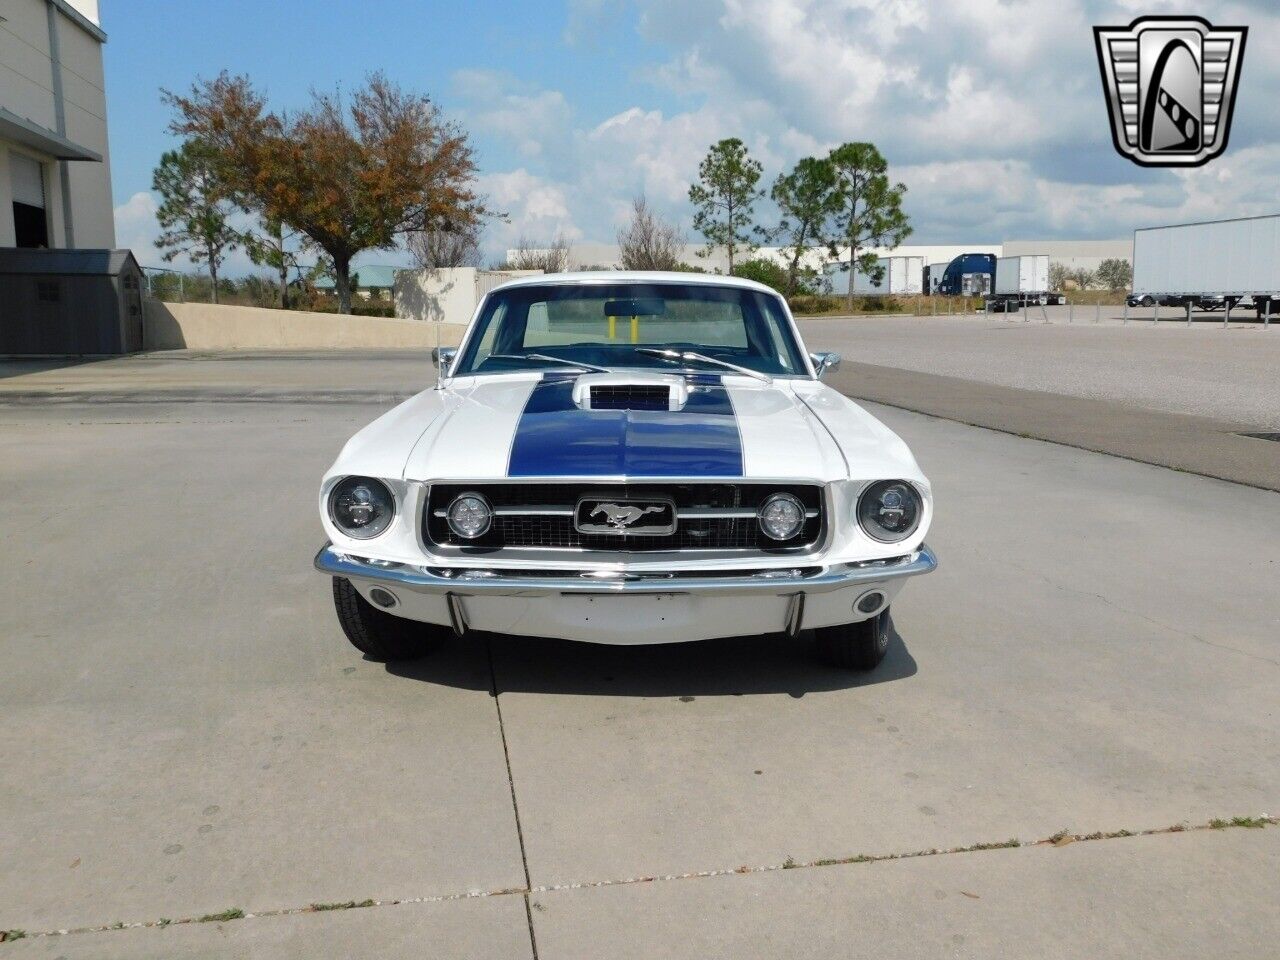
(768, 272)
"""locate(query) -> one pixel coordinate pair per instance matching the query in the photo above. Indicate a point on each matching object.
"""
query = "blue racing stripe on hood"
(556, 438)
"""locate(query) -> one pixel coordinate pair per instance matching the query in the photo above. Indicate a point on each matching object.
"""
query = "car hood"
(524, 426)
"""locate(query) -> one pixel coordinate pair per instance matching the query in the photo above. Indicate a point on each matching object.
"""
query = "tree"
(723, 198)
(870, 213)
(1115, 273)
(1059, 275)
(1082, 278)
(351, 174)
(528, 255)
(649, 242)
(807, 198)
(276, 246)
(436, 247)
(195, 204)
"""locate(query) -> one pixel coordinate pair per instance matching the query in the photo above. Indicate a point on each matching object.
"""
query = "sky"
(990, 111)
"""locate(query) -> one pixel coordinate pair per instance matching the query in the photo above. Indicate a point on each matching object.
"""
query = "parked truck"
(933, 273)
(968, 275)
(897, 275)
(1209, 265)
(1021, 281)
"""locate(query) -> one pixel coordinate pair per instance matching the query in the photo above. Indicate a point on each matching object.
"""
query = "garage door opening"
(30, 222)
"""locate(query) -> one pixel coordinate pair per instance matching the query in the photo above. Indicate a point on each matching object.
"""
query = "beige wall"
(450, 294)
(205, 326)
(26, 89)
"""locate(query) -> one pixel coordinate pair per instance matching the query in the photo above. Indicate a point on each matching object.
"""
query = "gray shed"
(69, 302)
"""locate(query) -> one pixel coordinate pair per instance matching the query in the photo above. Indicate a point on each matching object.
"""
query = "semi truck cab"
(970, 274)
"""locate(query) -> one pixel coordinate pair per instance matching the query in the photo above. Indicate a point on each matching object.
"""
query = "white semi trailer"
(898, 276)
(1209, 265)
(1021, 281)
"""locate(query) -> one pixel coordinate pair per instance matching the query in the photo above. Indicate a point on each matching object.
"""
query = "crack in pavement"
(515, 805)
(1059, 839)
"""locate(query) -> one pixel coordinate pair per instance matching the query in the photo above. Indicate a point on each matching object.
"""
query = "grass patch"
(1001, 845)
(12, 935)
(343, 905)
(1251, 823)
(233, 913)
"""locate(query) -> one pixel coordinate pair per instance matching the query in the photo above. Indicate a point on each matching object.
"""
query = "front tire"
(377, 634)
(855, 646)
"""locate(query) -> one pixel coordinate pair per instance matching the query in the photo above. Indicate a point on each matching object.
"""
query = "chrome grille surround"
(715, 517)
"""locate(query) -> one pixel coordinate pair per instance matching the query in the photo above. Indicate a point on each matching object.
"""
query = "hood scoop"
(630, 391)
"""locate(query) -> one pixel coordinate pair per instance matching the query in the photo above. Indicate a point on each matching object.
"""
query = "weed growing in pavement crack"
(344, 905)
(1252, 823)
(233, 913)
(1005, 845)
(12, 935)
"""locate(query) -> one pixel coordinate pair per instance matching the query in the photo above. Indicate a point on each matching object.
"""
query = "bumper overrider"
(611, 605)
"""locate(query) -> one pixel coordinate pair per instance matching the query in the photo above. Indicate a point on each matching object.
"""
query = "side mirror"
(442, 357)
(824, 361)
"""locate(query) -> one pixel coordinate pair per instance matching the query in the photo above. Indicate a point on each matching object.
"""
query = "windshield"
(603, 325)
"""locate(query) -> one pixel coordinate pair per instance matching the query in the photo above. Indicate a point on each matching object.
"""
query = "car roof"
(610, 277)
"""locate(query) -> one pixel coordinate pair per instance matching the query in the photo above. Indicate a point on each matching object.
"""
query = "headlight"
(890, 510)
(469, 515)
(781, 516)
(361, 507)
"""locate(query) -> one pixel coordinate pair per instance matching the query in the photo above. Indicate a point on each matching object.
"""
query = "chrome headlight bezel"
(874, 530)
(474, 496)
(785, 498)
(379, 526)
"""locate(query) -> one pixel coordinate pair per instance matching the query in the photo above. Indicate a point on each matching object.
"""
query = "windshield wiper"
(549, 359)
(689, 356)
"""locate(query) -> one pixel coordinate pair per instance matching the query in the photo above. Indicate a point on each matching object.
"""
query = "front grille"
(630, 397)
(518, 524)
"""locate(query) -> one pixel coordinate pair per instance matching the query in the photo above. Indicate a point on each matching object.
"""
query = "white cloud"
(537, 209)
(532, 121)
(136, 226)
(990, 110)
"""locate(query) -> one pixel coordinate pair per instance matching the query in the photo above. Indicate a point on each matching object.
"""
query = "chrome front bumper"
(479, 581)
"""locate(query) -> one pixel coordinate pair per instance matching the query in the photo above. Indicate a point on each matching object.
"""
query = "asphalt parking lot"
(187, 731)
(1201, 370)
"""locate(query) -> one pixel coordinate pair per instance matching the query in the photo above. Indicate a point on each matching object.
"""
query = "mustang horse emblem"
(622, 517)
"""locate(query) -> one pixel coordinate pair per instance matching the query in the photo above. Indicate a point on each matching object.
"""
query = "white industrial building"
(1073, 254)
(55, 178)
(607, 255)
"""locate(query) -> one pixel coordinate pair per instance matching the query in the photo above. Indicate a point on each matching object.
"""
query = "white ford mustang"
(625, 458)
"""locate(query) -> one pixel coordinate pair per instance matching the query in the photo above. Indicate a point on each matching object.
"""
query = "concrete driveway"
(186, 732)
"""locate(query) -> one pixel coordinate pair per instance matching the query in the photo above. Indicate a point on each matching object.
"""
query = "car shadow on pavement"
(730, 667)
